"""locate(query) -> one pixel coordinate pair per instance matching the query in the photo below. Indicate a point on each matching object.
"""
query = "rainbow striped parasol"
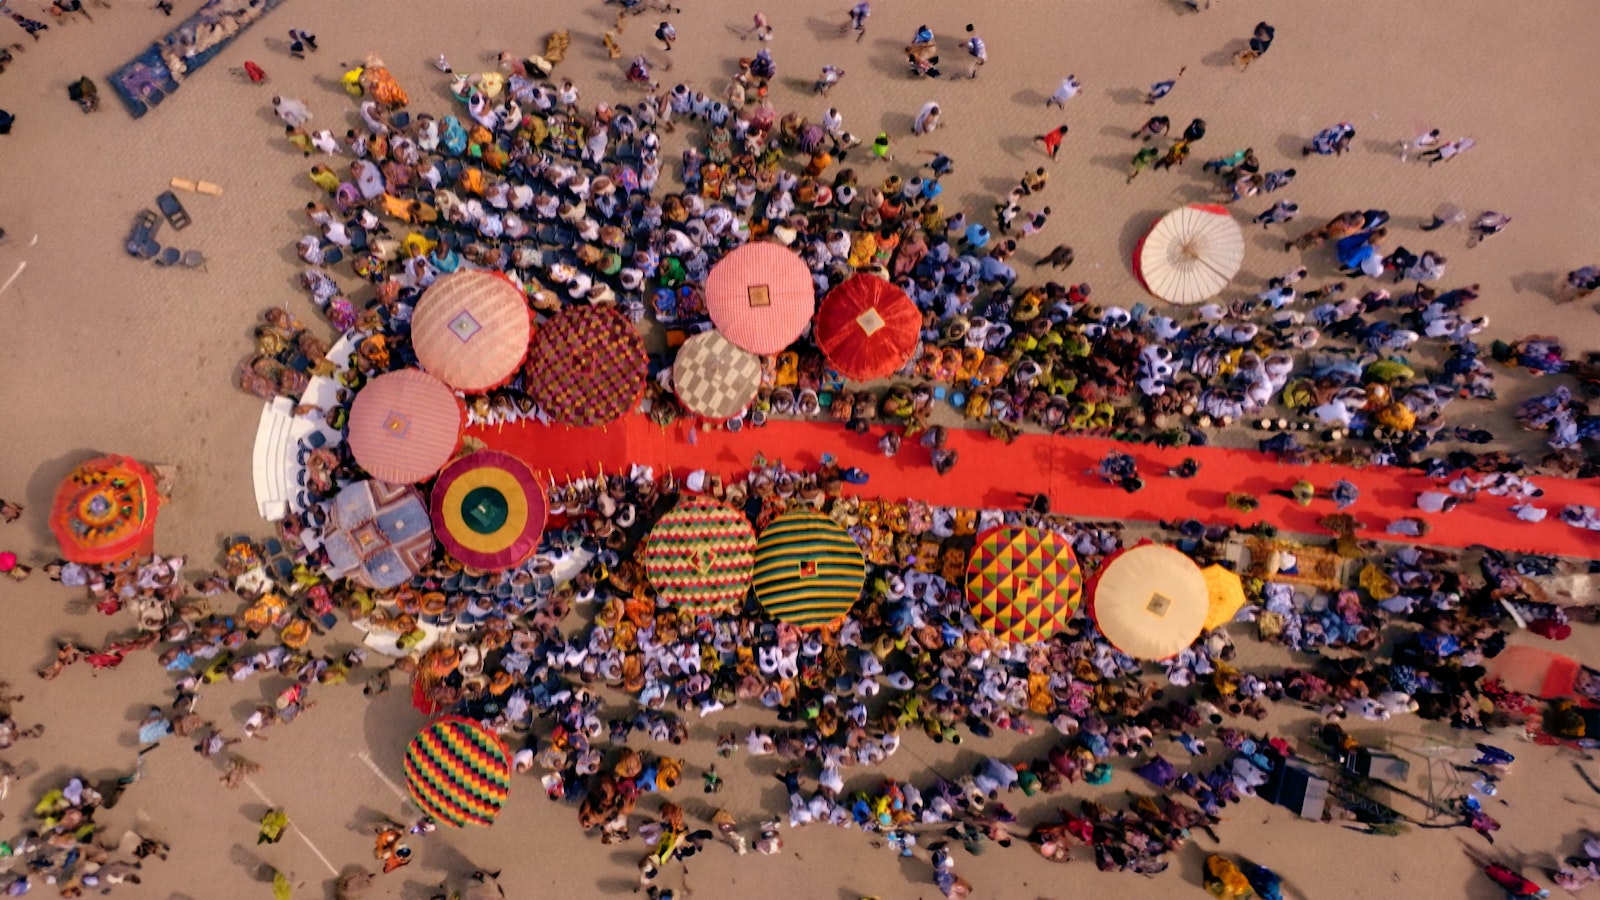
(458, 772)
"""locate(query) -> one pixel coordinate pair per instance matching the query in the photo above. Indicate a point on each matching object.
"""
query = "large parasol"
(1150, 601)
(760, 296)
(458, 772)
(808, 571)
(105, 511)
(1190, 254)
(868, 328)
(470, 329)
(701, 556)
(404, 425)
(377, 535)
(1024, 583)
(489, 510)
(587, 366)
(713, 377)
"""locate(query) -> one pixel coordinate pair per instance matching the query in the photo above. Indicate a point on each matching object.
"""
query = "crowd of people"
(566, 198)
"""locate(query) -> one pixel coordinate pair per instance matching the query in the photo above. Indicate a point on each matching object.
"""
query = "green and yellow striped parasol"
(808, 570)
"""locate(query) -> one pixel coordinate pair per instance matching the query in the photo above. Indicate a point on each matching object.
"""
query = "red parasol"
(404, 425)
(470, 329)
(105, 511)
(868, 328)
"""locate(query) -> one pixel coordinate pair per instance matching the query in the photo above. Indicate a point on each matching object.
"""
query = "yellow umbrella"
(1227, 595)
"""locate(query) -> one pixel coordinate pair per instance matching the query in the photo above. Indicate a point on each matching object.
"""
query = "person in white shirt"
(977, 49)
(1068, 89)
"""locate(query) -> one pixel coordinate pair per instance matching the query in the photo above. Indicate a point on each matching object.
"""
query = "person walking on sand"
(1489, 223)
(1065, 91)
(273, 823)
(1154, 127)
(1052, 140)
(1175, 155)
(1427, 140)
(667, 35)
(762, 31)
(858, 20)
(880, 148)
(1282, 211)
(975, 48)
(830, 76)
(1162, 88)
(927, 119)
(291, 111)
(1580, 283)
(1448, 151)
(1141, 161)
(1059, 258)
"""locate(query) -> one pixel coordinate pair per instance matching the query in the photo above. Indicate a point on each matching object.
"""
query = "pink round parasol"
(760, 297)
(470, 329)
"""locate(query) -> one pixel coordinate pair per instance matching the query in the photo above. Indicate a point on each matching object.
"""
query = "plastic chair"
(194, 259)
(169, 257)
(332, 257)
(149, 250)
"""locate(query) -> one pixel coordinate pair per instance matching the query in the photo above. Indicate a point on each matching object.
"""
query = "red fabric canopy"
(868, 328)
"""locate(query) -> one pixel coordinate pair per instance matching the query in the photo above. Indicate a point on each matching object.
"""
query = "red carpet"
(993, 474)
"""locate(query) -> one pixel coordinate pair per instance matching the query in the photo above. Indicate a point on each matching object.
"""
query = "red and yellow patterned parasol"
(105, 511)
(701, 555)
(404, 425)
(1024, 583)
(868, 328)
(761, 297)
(471, 329)
(488, 510)
(587, 366)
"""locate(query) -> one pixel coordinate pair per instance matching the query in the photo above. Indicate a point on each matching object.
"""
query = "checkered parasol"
(714, 378)
(761, 296)
(587, 366)
(1024, 583)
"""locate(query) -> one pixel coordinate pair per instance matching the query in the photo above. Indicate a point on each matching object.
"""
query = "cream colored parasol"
(1190, 254)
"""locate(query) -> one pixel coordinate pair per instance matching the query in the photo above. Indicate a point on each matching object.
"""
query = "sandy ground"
(106, 353)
